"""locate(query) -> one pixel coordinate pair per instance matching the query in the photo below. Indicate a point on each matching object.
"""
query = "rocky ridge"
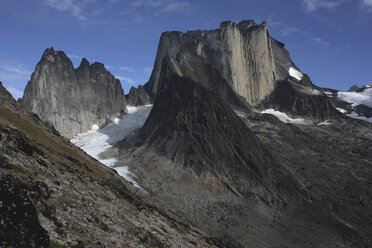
(179, 155)
(57, 196)
(73, 100)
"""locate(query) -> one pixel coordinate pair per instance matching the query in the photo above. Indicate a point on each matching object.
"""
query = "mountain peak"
(84, 63)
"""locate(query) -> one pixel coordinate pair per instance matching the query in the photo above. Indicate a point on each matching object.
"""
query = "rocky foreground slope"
(54, 195)
(73, 100)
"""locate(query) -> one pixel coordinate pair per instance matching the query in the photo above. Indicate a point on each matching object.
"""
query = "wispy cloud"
(14, 68)
(286, 31)
(109, 67)
(314, 5)
(13, 71)
(366, 5)
(75, 7)
(124, 68)
(15, 92)
(6, 77)
(320, 41)
(125, 79)
(147, 70)
(163, 6)
(72, 56)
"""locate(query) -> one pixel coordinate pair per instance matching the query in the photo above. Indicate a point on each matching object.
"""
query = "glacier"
(98, 140)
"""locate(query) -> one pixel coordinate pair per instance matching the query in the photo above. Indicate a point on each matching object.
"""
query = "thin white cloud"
(147, 3)
(148, 70)
(125, 79)
(6, 77)
(163, 6)
(366, 5)
(320, 42)
(176, 7)
(286, 31)
(15, 92)
(314, 5)
(75, 7)
(109, 67)
(15, 69)
(72, 56)
(124, 68)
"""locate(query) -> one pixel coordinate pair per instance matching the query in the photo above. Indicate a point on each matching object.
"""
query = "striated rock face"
(232, 171)
(282, 59)
(301, 99)
(73, 99)
(137, 96)
(240, 53)
(191, 126)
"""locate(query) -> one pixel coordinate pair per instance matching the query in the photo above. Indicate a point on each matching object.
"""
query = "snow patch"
(326, 123)
(357, 98)
(328, 93)
(316, 92)
(124, 172)
(296, 74)
(285, 118)
(341, 110)
(96, 141)
(95, 127)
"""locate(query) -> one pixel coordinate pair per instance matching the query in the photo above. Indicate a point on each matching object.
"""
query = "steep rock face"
(184, 123)
(282, 59)
(137, 96)
(301, 99)
(207, 163)
(73, 99)
(241, 53)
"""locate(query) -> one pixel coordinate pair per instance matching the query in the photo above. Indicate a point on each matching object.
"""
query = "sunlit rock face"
(240, 53)
(73, 99)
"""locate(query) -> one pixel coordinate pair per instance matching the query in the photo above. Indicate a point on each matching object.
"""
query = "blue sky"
(331, 40)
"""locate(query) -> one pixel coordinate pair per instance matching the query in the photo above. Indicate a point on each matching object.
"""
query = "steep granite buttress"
(73, 99)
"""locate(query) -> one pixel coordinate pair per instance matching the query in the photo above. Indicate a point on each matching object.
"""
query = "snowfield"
(360, 117)
(285, 118)
(357, 98)
(96, 140)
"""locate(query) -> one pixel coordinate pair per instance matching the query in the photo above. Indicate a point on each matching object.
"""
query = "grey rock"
(137, 96)
(363, 110)
(58, 193)
(282, 59)
(354, 88)
(302, 99)
(241, 53)
(73, 99)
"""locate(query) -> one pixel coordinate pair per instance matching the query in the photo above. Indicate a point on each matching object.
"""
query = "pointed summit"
(57, 90)
(84, 62)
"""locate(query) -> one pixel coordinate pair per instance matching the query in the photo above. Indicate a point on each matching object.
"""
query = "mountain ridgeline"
(247, 178)
(223, 171)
